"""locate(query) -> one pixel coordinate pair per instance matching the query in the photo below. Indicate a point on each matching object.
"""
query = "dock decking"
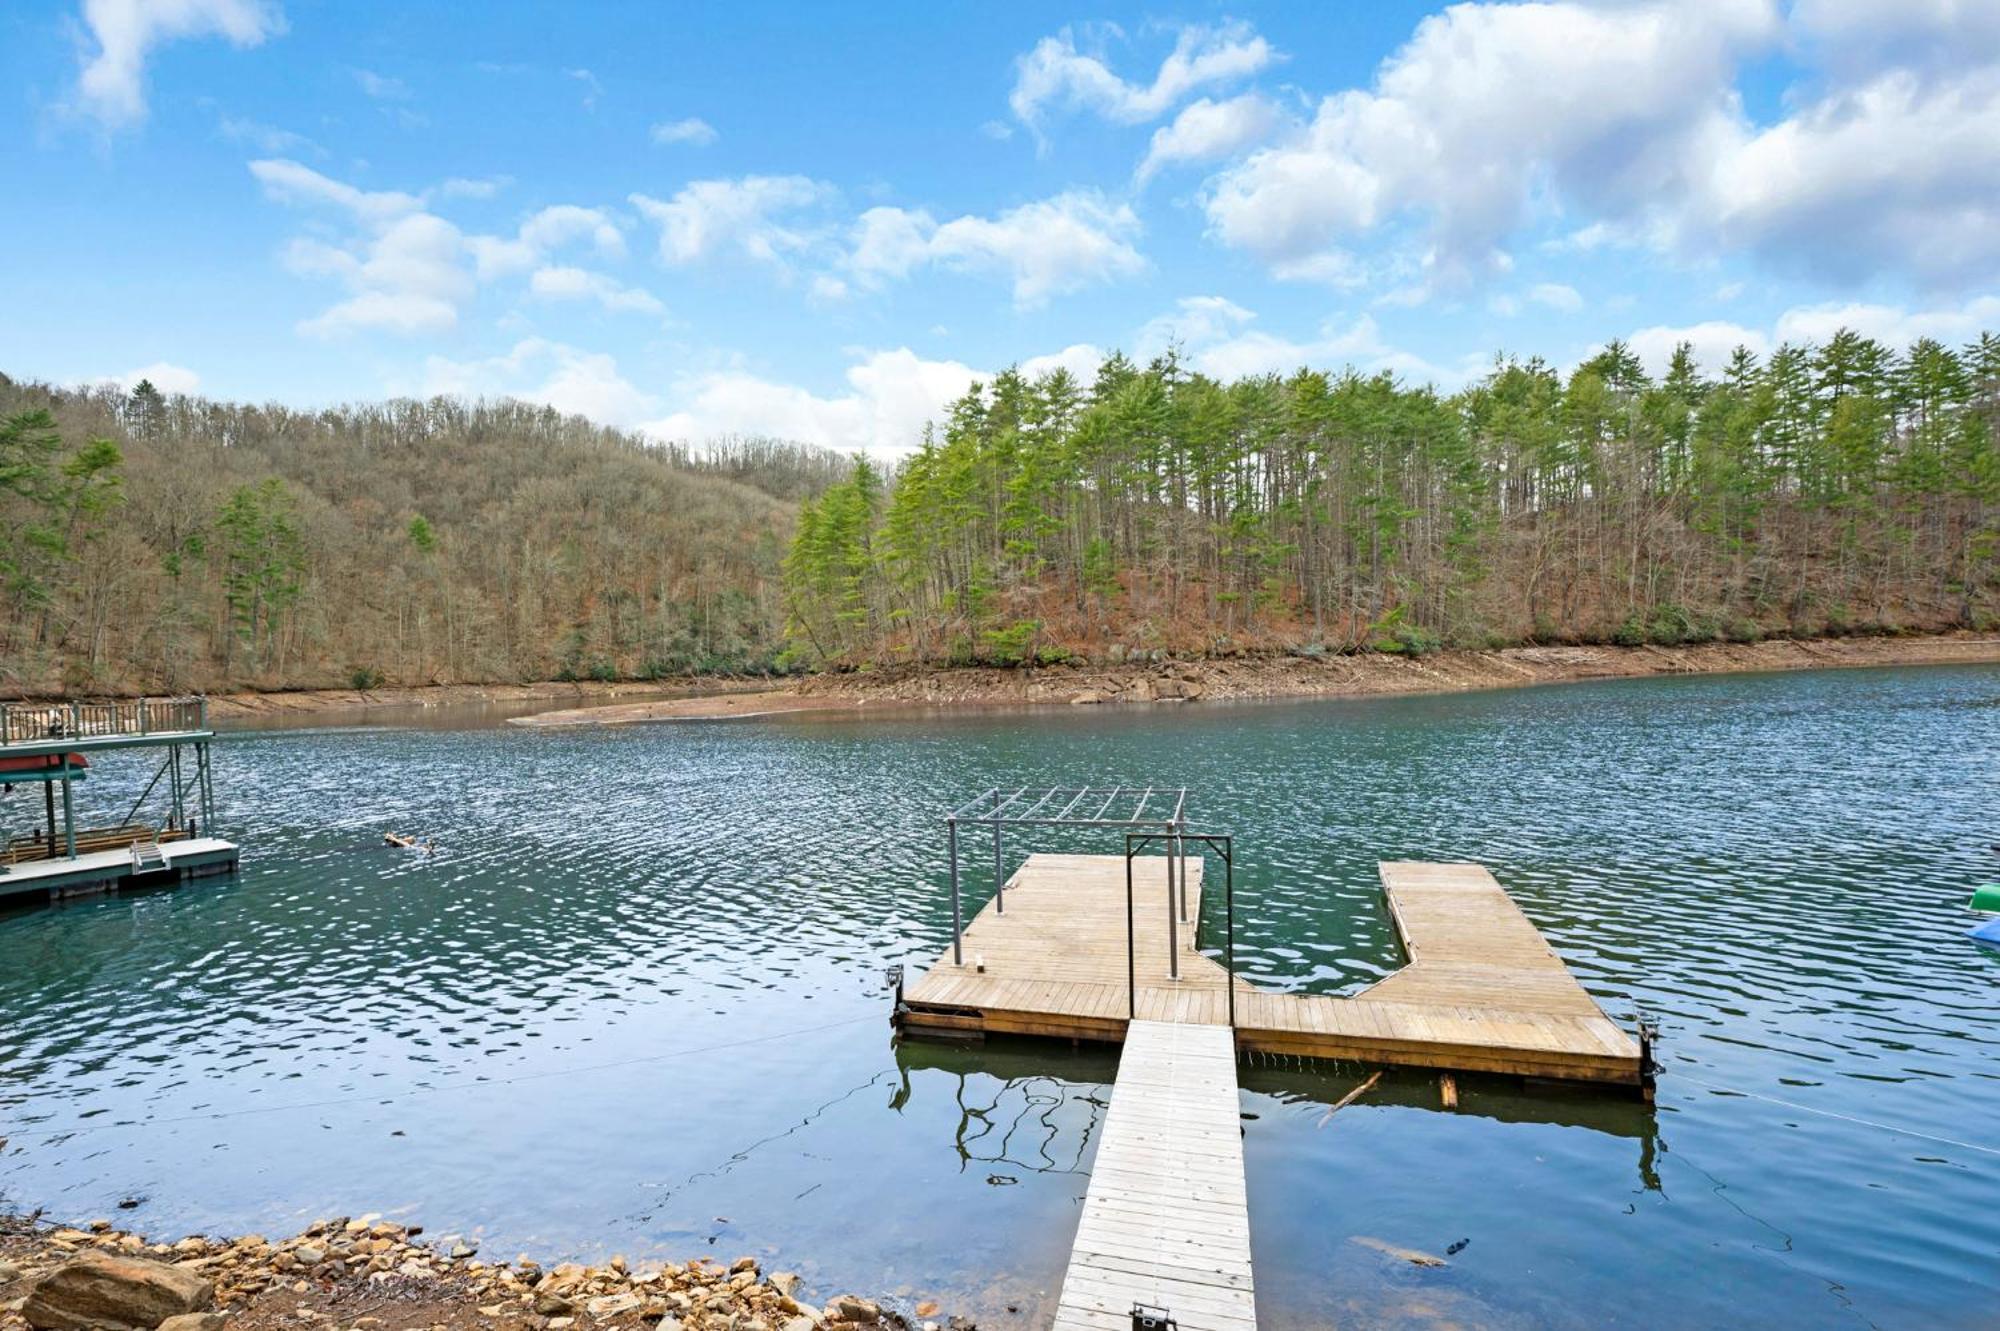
(106, 870)
(1483, 991)
(1166, 1222)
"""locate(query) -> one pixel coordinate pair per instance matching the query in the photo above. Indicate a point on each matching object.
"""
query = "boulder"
(852, 1308)
(1089, 697)
(115, 1293)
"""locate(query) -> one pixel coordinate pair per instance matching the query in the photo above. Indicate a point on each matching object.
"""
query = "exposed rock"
(1090, 697)
(118, 1293)
(9, 1272)
(195, 1322)
(551, 1304)
(785, 1282)
(309, 1255)
(853, 1308)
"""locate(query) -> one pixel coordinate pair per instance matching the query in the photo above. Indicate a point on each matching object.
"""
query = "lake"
(634, 1002)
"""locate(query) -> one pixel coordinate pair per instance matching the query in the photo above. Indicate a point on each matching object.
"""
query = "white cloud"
(1216, 337)
(168, 378)
(572, 380)
(544, 232)
(1206, 131)
(1892, 325)
(592, 88)
(1857, 38)
(564, 283)
(1045, 248)
(405, 271)
(890, 396)
(693, 130)
(265, 138)
(1712, 341)
(381, 87)
(1056, 74)
(711, 217)
(466, 187)
(1081, 359)
(1902, 173)
(112, 83)
(1484, 109)
(292, 182)
(1556, 295)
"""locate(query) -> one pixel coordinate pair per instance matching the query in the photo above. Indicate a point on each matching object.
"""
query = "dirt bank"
(237, 706)
(1284, 676)
(368, 1273)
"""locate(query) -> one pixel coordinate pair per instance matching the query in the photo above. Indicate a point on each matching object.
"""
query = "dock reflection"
(1036, 1106)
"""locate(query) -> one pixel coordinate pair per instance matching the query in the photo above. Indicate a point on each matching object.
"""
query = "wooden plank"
(1166, 1221)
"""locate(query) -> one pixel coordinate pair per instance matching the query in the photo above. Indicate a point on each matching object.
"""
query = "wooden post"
(957, 912)
(1448, 1090)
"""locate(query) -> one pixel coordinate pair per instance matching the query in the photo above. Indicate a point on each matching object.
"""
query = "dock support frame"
(1177, 842)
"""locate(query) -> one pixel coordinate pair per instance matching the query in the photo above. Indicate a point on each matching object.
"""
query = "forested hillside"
(175, 543)
(1826, 490)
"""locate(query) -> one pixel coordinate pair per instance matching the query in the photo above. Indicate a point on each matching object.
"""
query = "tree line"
(1824, 489)
(166, 542)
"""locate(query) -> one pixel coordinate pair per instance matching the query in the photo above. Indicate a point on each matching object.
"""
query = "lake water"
(634, 1002)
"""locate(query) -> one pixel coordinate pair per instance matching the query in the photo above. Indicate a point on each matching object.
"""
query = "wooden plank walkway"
(1166, 1222)
(1483, 991)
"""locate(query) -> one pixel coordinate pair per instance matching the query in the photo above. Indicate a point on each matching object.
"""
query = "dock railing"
(37, 723)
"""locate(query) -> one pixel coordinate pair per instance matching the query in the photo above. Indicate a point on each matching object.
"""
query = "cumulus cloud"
(570, 379)
(544, 232)
(1216, 336)
(1045, 248)
(1611, 108)
(693, 131)
(381, 87)
(1892, 325)
(1207, 131)
(1556, 295)
(112, 82)
(1056, 74)
(168, 378)
(743, 216)
(566, 283)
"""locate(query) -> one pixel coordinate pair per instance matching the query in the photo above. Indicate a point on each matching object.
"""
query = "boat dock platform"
(1483, 990)
(57, 746)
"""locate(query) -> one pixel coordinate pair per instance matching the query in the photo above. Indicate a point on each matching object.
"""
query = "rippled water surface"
(634, 1003)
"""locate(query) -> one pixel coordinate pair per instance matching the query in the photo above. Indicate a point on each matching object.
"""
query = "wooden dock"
(1483, 991)
(109, 870)
(1166, 1222)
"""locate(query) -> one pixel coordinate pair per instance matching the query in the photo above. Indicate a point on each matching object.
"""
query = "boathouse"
(167, 833)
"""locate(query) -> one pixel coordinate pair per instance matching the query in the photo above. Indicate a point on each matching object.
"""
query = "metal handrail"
(1177, 841)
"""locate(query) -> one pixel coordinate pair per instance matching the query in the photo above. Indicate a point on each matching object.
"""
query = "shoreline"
(371, 1274)
(1244, 678)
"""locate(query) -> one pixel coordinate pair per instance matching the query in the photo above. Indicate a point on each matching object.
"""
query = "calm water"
(634, 1002)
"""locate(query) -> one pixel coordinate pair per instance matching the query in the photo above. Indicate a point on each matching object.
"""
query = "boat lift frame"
(1158, 809)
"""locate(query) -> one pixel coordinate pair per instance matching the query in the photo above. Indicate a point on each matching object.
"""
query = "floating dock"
(54, 745)
(1483, 990)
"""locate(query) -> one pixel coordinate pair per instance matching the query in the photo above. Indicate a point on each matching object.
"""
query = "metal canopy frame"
(1158, 809)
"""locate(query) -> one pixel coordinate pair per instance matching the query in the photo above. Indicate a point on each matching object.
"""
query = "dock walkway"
(1166, 1222)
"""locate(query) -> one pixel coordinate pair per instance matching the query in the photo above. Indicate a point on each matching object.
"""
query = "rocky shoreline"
(370, 1274)
(1149, 676)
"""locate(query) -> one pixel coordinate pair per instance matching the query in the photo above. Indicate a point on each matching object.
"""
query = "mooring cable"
(1832, 1113)
(458, 1083)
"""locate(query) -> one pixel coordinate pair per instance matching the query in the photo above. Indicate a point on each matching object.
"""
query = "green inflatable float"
(1987, 897)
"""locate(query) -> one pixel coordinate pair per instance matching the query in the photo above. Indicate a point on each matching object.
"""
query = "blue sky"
(823, 220)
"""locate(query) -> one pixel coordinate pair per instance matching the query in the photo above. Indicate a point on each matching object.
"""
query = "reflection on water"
(635, 1002)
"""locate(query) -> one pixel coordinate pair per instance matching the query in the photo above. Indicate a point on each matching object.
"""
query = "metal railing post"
(957, 912)
(1229, 923)
(999, 875)
(1131, 940)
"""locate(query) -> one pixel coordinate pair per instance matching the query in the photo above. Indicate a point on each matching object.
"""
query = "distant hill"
(202, 544)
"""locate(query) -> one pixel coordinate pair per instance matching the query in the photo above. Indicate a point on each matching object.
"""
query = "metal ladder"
(147, 856)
